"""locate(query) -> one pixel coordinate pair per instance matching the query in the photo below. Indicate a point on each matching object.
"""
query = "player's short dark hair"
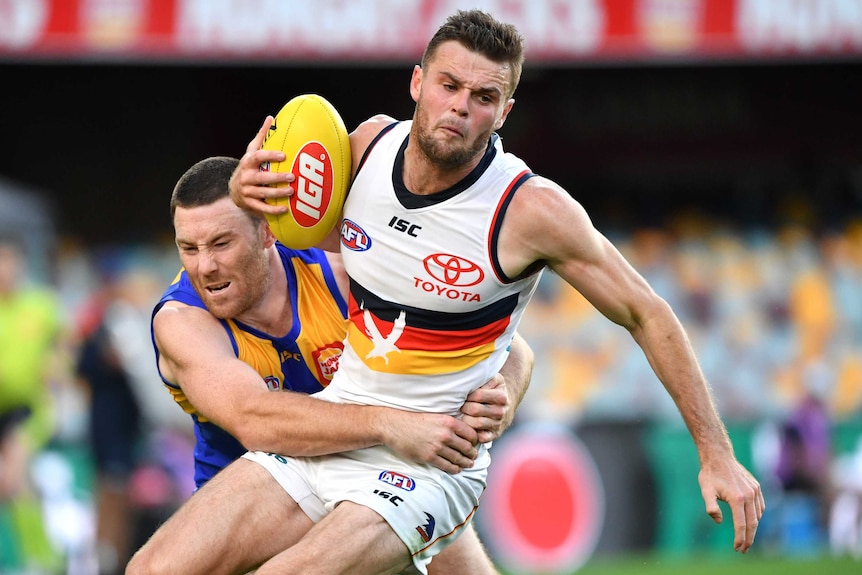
(204, 183)
(480, 32)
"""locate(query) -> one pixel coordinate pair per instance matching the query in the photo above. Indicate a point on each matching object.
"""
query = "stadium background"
(709, 138)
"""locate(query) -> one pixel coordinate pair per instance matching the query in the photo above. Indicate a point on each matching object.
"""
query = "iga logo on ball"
(316, 146)
(313, 184)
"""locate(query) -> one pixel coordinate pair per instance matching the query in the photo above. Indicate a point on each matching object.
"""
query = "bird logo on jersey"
(383, 346)
(426, 532)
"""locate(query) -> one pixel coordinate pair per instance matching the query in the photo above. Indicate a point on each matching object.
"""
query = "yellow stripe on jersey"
(257, 352)
(323, 325)
(181, 399)
(414, 362)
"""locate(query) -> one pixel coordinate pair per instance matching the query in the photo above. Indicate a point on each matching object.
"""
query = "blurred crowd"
(776, 320)
(93, 452)
(774, 315)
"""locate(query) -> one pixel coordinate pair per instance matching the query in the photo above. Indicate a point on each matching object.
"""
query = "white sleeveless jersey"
(431, 314)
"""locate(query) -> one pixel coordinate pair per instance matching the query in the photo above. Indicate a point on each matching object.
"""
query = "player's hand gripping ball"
(311, 133)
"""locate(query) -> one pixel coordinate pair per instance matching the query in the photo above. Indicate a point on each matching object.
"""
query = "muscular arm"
(550, 226)
(196, 354)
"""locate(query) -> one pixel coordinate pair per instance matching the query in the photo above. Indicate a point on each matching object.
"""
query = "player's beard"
(445, 154)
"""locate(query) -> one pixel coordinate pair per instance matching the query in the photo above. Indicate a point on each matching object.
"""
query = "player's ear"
(268, 236)
(506, 109)
(416, 82)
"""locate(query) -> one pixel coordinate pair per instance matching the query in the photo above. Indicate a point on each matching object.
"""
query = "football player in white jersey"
(218, 376)
(448, 158)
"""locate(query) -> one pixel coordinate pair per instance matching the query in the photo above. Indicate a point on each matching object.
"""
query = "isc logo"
(313, 171)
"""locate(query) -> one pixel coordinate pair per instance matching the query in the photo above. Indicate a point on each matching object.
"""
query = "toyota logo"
(453, 271)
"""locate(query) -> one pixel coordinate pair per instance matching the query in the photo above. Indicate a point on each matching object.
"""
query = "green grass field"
(710, 565)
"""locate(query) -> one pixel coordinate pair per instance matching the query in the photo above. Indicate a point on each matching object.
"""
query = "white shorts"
(426, 507)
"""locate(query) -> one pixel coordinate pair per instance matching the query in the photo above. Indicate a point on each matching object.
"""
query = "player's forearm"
(671, 356)
(517, 371)
(305, 426)
(296, 424)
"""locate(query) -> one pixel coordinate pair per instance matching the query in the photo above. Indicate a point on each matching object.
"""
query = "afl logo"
(353, 237)
(453, 270)
(313, 170)
(272, 383)
(397, 480)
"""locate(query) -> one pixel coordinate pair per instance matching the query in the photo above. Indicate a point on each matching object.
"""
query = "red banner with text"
(383, 31)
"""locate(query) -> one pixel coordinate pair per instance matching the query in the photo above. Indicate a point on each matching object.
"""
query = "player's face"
(224, 253)
(460, 100)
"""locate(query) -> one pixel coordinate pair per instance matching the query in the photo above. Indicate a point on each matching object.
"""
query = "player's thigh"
(466, 556)
(351, 540)
(236, 521)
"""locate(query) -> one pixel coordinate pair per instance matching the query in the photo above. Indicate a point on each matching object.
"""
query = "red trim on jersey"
(432, 339)
(496, 221)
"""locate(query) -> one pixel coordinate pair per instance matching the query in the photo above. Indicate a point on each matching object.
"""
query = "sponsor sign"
(557, 31)
(543, 509)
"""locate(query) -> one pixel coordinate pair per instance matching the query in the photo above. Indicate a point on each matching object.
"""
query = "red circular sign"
(543, 508)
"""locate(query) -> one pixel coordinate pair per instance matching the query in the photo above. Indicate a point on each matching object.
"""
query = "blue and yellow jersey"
(304, 360)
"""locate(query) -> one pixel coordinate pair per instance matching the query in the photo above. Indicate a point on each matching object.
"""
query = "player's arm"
(490, 409)
(196, 353)
(548, 225)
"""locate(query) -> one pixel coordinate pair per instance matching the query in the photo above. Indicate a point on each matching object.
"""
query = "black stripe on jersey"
(412, 201)
(495, 230)
(372, 144)
(434, 320)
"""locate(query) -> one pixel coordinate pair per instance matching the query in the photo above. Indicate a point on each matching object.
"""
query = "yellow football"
(311, 133)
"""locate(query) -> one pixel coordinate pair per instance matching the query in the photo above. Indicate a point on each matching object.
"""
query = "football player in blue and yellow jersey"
(247, 316)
